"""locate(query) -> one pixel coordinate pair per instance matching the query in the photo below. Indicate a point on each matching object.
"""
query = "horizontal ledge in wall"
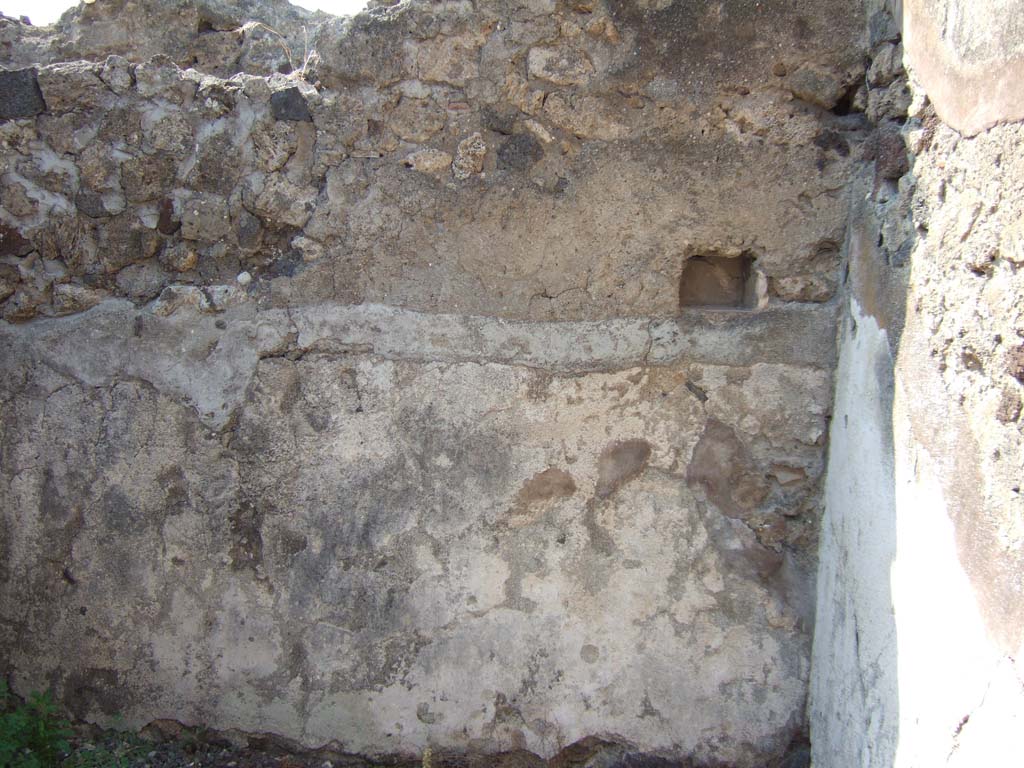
(209, 357)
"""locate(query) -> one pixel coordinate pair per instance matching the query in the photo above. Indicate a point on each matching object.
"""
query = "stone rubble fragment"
(469, 157)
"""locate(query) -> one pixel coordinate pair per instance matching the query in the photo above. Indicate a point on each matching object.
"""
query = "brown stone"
(889, 152)
(1015, 363)
(1009, 407)
(12, 243)
(417, 119)
(148, 177)
(166, 223)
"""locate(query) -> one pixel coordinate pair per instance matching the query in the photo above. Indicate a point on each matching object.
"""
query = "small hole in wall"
(715, 281)
(845, 105)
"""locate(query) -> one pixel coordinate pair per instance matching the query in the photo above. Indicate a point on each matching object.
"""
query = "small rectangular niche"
(715, 281)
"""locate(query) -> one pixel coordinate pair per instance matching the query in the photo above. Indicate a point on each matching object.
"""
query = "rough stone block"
(13, 243)
(290, 104)
(205, 218)
(562, 66)
(20, 96)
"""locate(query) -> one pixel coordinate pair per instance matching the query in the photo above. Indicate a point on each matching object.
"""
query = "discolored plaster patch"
(619, 463)
(549, 485)
(723, 468)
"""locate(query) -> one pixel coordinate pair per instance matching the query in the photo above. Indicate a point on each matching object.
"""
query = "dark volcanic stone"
(20, 95)
(290, 104)
(90, 203)
(519, 152)
(500, 119)
(830, 140)
(889, 152)
(247, 230)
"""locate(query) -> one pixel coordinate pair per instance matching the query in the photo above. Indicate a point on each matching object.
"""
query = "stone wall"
(918, 644)
(454, 375)
(460, 375)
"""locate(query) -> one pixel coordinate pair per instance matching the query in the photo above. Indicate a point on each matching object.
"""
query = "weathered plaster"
(376, 546)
